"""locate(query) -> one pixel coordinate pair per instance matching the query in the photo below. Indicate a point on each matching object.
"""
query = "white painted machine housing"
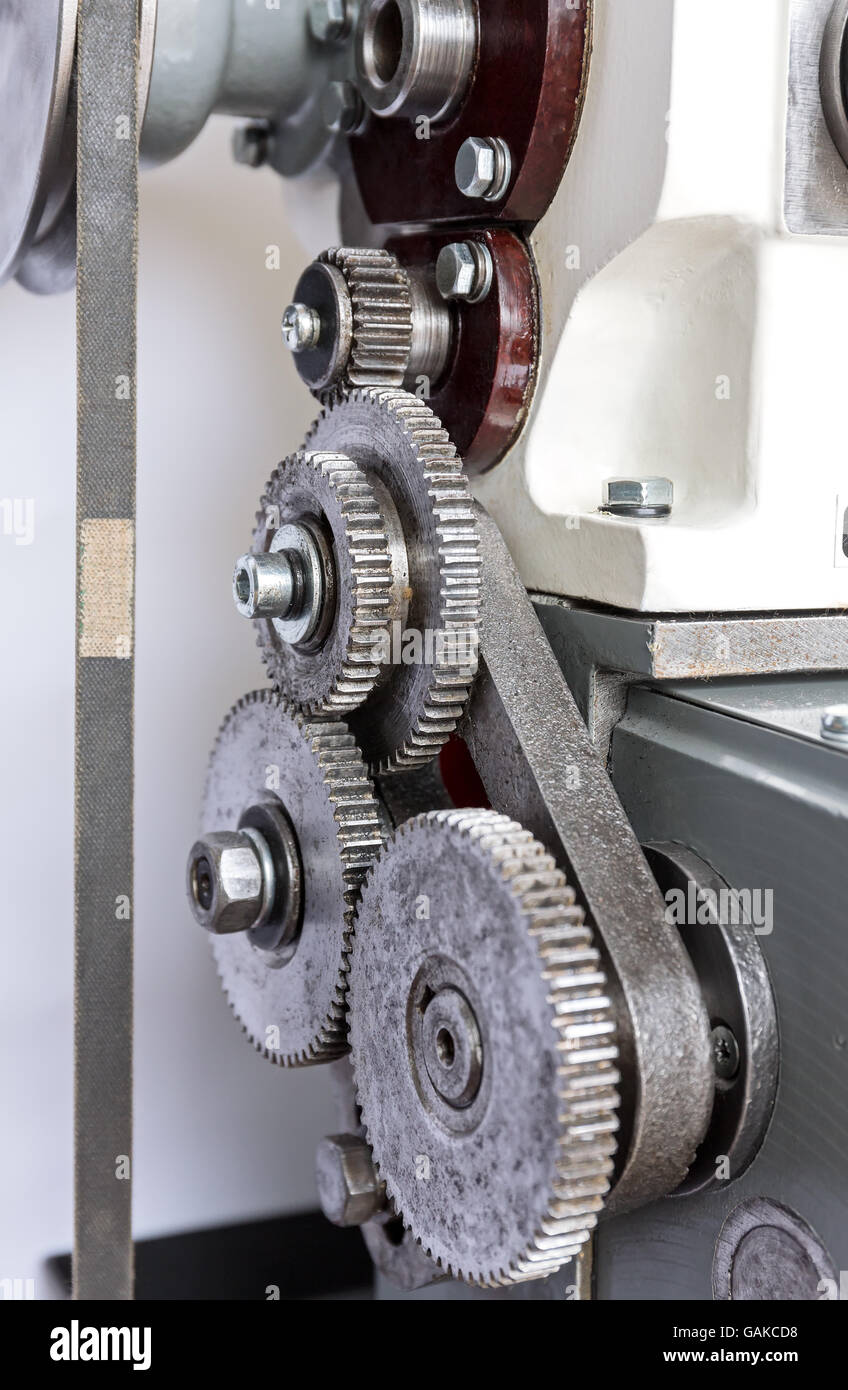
(685, 333)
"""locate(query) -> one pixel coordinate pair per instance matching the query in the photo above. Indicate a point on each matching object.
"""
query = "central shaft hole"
(387, 41)
(201, 883)
(243, 586)
(445, 1047)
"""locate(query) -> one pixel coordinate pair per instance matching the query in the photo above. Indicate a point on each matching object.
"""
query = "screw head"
(343, 109)
(464, 270)
(834, 724)
(483, 167)
(301, 327)
(638, 497)
(329, 20)
(349, 1189)
(251, 144)
(225, 882)
(726, 1055)
(265, 586)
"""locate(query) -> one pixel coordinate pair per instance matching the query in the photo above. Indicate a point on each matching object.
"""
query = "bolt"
(301, 327)
(464, 270)
(483, 168)
(349, 1188)
(267, 586)
(834, 724)
(252, 144)
(329, 20)
(726, 1057)
(638, 497)
(230, 881)
(343, 108)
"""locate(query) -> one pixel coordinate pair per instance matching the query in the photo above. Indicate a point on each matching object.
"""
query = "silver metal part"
(301, 327)
(349, 1189)
(414, 57)
(501, 1171)
(464, 270)
(264, 586)
(816, 178)
(330, 20)
(251, 144)
(766, 1251)
(400, 445)
(37, 153)
(290, 1000)
(433, 332)
(537, 761)
(483, 167)
(638, 497)
(226, 885)
(834, 725)
(310, 559)
(343, 109)
(327, 495)
(717, 928)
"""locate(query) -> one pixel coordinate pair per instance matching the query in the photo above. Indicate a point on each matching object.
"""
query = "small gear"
(291, 1003)
(335, 674)
(483, 1046)
(359, 303)
(431, 659)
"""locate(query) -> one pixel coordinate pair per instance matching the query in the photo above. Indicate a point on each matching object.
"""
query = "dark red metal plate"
(527, 88)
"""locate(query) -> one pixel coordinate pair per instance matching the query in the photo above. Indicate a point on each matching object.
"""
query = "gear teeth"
(460, 581)
(582, 1015)
(362, 543)
(360, 838)
(381, 309)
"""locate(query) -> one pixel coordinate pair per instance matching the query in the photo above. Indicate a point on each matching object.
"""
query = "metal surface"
(330, 20)
(770, 814)
(720, 935)
(502, 1180)
(37, 46)
(349, 1189)
(414, 57)
(638, 497)
(464, 270)
(343, 109)
(794, 705)
(370, 578)
(534, 754)
(252, 144)
(767, 1252)
(834, 724)
(104, 898)
(308, 550)
(400, 445)
(832, 79)
(483, 167)
(266, 585)
(816, 178)
(225, 882)
(291, 1001)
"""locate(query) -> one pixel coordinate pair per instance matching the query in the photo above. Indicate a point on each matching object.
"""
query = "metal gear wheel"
(335, 674)
(359, 302)
(291, 1003)
(483, 1047)
(401, 447)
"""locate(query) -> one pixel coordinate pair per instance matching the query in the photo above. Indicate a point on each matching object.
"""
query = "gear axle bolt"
(349, 1188)
(265, 586)
(301, 327)
(229, 881)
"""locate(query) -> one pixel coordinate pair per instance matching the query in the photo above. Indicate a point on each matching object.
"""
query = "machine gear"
(483, 1045)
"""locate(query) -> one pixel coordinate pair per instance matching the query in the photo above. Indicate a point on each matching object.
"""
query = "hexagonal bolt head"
(834, 724)
(301, 327)
(329, 20)
(638, 497)
(225, 882)
(251, 145)
(483, 167)
(349, 1189)
(264, 586)
(343, 109)
(464, 270)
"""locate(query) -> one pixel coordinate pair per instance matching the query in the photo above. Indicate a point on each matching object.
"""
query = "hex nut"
(225, 884)
(349, 1188)
(483, 167)
(329, 20)
(464, 270)
(638, 496)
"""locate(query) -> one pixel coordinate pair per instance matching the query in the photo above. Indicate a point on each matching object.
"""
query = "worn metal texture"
(106, 460)
(815, 198)
(534, 754)
(483, 1047)
(766, 1252)
(770, 812)
(291, 1003)
(792, 704)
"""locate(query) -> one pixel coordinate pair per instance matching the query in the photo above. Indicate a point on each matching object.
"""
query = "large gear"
(361, 301)
(291, 1003)
(400, 446)
(336, 674)
(483, 1045)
